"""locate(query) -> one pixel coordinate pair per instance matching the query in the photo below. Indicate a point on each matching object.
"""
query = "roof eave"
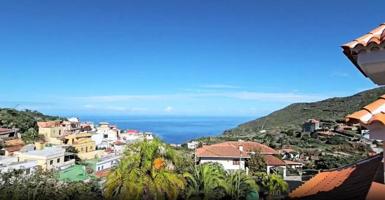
(348, 53)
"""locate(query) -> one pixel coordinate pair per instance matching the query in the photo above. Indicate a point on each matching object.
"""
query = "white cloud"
(220, 86)
(287, 97)
(168, 109)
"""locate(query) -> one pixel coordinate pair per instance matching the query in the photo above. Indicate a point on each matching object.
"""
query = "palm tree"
(145, 172)
(205, 182)
(239, 185)
(273, 184)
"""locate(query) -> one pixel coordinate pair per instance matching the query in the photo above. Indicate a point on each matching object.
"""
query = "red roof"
(132, 131)
(48, 124)
(376, 191)
(349, 182)
(232, 149)
(372, 113)
(273, 161)
(102, 173)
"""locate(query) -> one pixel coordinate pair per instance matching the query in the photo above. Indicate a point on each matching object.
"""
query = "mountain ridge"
(293, 116)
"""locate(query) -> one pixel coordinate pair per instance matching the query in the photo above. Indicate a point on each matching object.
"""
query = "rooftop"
(371, 40)
(372, 113)
(74, 173)
(48, 124)
(46, 152)
(232, 149)
(273, 161)
(349, 182)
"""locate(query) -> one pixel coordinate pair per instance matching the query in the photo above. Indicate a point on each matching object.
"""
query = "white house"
(105, 135)
(233, 155)
(107, 162)
(9, 163)
(192, 144)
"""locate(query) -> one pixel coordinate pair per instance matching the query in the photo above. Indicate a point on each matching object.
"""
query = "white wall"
(107, 163)
(28, 166)
(227, 163)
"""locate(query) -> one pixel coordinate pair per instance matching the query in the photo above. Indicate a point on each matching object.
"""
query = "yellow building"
(83, 144)
(52, 131)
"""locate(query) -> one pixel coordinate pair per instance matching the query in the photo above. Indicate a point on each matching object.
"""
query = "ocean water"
(173, 129)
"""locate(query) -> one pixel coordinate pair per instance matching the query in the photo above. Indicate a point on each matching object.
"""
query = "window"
(58, 160)
(235, 162)
(51, 162)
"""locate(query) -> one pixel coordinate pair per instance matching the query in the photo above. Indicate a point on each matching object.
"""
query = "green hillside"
(293, 116)
(25, 120)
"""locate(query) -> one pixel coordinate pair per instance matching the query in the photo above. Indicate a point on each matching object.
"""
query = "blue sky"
(190, 57)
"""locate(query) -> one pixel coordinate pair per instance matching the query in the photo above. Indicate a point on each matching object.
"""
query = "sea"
(173, 129)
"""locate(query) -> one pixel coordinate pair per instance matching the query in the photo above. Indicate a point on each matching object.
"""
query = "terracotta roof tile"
(378, 118)
(372, 39)
(48, 124)
(13, 142)
(376, 192)
(360, 116)
(364, 40)
(375, 106)
(102, 173)
(15, 148)
(349, 182)
(231, 149)
(374, 112)
(273, 161)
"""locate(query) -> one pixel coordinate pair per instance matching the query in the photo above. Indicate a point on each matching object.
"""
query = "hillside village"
(82, 151)
(74, 149)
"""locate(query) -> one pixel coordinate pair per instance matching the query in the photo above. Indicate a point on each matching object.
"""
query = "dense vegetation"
(25, 120)
(294, 115)
(44, 186)
(153, 170)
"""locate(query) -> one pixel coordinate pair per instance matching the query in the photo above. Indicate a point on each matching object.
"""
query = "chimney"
(240, 145)
(241, 148)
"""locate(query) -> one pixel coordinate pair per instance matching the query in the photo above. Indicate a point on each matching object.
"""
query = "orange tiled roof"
(374, 112)
(48, 124)
(376, 191)
(231, 149)
(13, 142)
(273, 161)
(349, 182)
(12, 149)
(102, 173)
(371, 40)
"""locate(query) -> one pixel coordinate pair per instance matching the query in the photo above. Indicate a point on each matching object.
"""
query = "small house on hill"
(233, 155)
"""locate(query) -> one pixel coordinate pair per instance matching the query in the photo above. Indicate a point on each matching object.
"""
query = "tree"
(256, 163)
(147, 171)
(239, 185)
(43, 185)
(30, 135)
(272, 184)
(207, 181)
